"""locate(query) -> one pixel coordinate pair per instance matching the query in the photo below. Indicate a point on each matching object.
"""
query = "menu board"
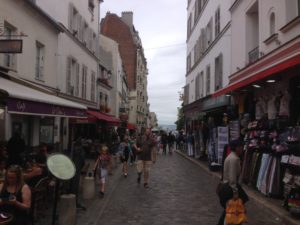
(222, 141)
(61, 166)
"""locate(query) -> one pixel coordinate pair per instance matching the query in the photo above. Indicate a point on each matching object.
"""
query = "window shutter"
(79, 27)
(68, 88)
(77, 80)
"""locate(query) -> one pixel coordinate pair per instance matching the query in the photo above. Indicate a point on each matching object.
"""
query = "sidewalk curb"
(280, 212)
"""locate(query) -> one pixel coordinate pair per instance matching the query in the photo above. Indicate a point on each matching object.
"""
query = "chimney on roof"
(127, 17)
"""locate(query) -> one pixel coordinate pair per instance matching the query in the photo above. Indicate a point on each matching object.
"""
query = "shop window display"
(271, 162)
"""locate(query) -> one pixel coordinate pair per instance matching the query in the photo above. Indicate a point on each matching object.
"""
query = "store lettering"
(21, 106)
(57, 111)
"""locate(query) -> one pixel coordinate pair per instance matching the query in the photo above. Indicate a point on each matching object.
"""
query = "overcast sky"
(162, 28)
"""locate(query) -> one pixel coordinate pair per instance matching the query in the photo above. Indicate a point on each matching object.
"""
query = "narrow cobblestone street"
(180, 193)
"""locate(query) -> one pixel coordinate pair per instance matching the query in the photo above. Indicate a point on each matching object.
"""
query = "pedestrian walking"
(101, 168)
(164, 142)
(124, 152)
(171, 140)
(230, 178)
(78, 157)
(132, 146)
(146, 153)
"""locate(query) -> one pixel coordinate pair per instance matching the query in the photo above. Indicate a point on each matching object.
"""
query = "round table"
(4, 221)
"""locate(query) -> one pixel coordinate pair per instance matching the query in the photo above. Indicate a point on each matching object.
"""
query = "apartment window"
(217, 22)
(72, 71)
(201, 84)
(101, 98)
(209, 32)
(272, 23)
(186, 94)
(91, 5)
(85, 37)
(9, 59)
(39, 61)
(189, 26)
(83, 84)
(218, 72)
(208, 80)
(188, 62)
(197, 87)
(73, 19)
(94, 48)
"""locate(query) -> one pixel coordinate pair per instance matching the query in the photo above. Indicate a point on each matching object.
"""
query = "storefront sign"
(61, 166)
(212, 103)
(234, 130)
(221, 142)
(30, 107)
(11, 46)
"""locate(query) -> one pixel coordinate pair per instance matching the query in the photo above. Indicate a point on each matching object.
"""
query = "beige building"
(30, 80)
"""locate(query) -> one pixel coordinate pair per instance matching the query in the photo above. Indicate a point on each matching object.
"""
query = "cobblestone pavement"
(180, 193)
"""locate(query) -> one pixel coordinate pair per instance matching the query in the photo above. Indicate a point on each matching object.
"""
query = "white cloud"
(162, 27)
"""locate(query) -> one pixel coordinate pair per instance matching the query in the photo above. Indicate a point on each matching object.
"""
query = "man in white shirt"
(231, 173)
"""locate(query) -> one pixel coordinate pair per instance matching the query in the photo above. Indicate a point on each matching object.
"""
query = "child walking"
(101, 167)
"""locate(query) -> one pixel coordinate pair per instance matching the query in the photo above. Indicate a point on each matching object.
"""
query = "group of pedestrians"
(140, 150)
(166, 141)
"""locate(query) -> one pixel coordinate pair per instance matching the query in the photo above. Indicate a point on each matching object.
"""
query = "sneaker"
(125, 175)
(146, 185)
(101, 194)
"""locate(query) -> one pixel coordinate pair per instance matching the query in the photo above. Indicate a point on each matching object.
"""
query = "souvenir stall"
(271, 161)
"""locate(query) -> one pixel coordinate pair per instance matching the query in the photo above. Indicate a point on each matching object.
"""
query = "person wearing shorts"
(146, 154)
(124, 151)
(101, 168)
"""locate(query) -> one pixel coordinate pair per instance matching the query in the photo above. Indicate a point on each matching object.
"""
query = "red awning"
(131, 126)
(259, 76)
(105, 117)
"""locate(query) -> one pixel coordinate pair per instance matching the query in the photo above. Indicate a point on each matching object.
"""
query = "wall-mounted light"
(271, 81)
(256, 86)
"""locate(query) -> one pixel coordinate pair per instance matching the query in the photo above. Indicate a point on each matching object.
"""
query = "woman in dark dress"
(15, 196)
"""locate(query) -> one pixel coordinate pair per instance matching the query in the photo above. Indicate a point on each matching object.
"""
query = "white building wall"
(73, 47)
(36, 28)
(58, 9)
(221, 45)
(117, 72)
(284, 10)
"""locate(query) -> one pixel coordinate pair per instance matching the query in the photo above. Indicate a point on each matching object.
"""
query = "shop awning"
(25, 100)
(131, 126)
(105, 117)
(279, 61)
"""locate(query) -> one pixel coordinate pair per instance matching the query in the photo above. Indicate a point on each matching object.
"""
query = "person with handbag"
(101, 168)
(230, 177)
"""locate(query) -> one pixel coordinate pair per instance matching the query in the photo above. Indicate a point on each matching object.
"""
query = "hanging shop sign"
(11, 46)
(212, 103)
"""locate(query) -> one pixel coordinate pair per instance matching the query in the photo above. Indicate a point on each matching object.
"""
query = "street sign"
(11, 46)
(61, 166)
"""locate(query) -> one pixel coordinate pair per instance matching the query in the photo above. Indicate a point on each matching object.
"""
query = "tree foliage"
(180, 119)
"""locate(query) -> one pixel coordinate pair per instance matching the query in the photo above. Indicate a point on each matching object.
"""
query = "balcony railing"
(253, 55)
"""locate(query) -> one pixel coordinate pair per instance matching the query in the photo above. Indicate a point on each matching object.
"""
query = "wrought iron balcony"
(253, 55)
